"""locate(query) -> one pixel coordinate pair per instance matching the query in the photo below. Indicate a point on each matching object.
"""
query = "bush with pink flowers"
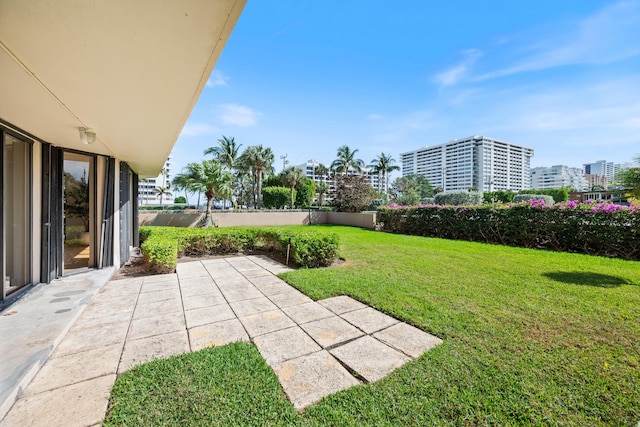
(592, 228)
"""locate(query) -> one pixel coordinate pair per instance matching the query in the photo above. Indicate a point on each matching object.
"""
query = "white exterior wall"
(146, 195)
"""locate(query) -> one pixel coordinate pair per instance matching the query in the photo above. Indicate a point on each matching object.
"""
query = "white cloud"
(376, 117)
(455, 74)
(217, 79)
(196, 129)
(607, 36)
(238, 115)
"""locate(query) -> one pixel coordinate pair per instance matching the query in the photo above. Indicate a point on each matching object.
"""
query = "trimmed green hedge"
(163, 245)
(607, 230)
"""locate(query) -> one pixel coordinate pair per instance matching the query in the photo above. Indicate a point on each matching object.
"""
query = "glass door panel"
(78, 212)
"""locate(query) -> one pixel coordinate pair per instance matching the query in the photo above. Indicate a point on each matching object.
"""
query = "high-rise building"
(602, 167)
(146, 188)
(475, 162)
(557, 177)
(593, 180)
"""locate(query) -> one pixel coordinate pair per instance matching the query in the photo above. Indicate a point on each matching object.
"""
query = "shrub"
(353, 193)
(606, 229)
(275, 197)
(180, 199)
(458, 198)
(558, 194)
(502, 196)
(548, 200)
(375, 204)
(428, 201)
(163, 245)
(305, 192)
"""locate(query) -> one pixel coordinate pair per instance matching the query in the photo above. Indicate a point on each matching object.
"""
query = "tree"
(383, 165)
(275, 197)
(321, 171)
(226, 152)
(305, 192)
(353, 193)
(347, 160)
(180, 199)
(214, 180)
(322, 189)
(411, 189)
(291, 176)
(160, 192)
(629, 178)
(258, 160)
(188, 179)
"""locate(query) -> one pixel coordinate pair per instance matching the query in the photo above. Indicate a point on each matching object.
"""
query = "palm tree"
(259, 160)
(383, 165)
(322, 189)
(181, 182)
(291, 176)
(226, 152)
(214, 180)
(321, 171)
(347, 160)
(160, 192)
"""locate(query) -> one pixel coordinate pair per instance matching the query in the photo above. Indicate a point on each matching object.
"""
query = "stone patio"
(315, 348)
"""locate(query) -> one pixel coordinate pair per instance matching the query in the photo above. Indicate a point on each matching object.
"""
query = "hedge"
(559, 194)
(163, 245)
(603, 229)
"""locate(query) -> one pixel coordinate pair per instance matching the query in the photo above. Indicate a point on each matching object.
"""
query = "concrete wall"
(363, 219)
(258, 218)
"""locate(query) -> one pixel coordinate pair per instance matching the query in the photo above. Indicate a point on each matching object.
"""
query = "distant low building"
(558, 176)
(309, 169)
(595, 180)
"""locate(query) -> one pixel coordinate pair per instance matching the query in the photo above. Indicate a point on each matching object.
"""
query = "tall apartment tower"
(477, 161)
(146, 188)
(604, 168)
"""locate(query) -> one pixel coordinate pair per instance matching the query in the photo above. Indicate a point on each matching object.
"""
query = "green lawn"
(530, 337)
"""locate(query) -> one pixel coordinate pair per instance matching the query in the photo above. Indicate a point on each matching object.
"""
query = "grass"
(530, 337)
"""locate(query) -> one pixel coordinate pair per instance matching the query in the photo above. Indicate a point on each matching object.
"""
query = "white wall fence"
(257, 218)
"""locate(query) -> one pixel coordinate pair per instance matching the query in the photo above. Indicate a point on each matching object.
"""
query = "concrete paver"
(369, 357)
(205, 315)
(156, 347)
(369, 320)
(265, 322)
(408, 339)
(206, 303)
(285, 344)
(78, 404)
(219, 333)
(331, 331)
(342, 304)
(309, 378)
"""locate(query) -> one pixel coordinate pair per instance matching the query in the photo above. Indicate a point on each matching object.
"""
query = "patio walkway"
(315, 348)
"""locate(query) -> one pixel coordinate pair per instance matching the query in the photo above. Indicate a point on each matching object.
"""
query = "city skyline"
(305, 78)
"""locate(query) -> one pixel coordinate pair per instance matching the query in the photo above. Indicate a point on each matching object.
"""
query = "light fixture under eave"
(87, 135)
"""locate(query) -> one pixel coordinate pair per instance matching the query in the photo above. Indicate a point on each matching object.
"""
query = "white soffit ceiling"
(131, 70)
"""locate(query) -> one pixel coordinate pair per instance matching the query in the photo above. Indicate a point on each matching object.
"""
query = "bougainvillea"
(592, 228)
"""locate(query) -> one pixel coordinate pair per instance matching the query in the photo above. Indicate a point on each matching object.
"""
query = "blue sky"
(305, 77)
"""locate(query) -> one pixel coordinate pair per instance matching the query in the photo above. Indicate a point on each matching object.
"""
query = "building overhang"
(131, 70)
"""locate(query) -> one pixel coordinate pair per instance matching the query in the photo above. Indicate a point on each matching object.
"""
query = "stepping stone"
(205, 315)
(307, 379)
(369, 319)
(153, 308)
(408, 339)
(160, 295)
(219, 333)
(286, 344)
(342, 304)
(248, 292)
(369, 357)
(331, 331)
(193, 289)
(266, 322)
(305, 313)
(252, 306)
